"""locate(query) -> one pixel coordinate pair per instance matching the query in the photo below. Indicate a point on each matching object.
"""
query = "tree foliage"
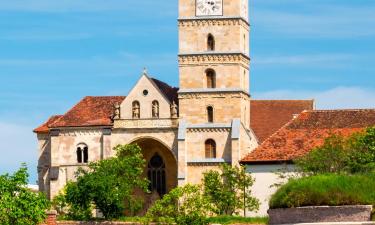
(18, 204)
(183, 205)
(355, 154)
(229, 191)
(108, 185)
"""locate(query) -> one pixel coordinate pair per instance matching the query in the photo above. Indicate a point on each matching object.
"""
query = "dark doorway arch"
(156, 175)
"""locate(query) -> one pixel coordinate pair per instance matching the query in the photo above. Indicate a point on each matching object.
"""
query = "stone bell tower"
(214, 61)
(214, 99)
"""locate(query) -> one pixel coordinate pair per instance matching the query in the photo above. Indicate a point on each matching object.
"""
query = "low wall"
(319, 214)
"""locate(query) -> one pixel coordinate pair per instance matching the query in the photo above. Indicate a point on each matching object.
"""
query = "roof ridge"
(338, 110)
(282, 100)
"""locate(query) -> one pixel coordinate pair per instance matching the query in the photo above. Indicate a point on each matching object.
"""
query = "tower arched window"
(211, 78)
(210, 114)
(136, 110)
(210, 43)
(82, 153)
(210, 149)
(155, 109)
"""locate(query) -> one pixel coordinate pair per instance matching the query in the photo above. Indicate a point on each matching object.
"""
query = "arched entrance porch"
(161, 165)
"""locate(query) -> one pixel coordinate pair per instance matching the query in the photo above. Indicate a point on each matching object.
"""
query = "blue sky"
(52, 53)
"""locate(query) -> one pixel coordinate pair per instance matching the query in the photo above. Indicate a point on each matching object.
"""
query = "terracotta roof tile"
(90, 111)
(308, 131)
(267, 116)
(44, 128)
(170, 92)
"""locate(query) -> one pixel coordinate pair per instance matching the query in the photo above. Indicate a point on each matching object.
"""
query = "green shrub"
(18, 204)
(183, 205)
(326, 189)
(108, 185)
(338, 154)
(229, 191)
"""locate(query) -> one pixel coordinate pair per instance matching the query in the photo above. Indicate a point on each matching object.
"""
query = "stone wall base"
(321, 214)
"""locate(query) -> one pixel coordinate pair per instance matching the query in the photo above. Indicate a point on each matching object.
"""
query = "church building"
(210, 119)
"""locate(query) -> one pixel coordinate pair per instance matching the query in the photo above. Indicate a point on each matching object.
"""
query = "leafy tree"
(331, 157)
(229, 191)
(18, 204)
(183, 205)
(354, 154)
(108, 185)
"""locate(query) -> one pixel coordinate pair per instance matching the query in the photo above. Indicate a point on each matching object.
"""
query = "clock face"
(209, 7)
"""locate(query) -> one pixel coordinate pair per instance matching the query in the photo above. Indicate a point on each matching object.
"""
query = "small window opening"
(210, 43)
(210, 149)
(210, 114)
(211, 78)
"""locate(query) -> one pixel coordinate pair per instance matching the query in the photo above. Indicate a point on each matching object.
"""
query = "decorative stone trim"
(213, 21)
(82, 132)
(318, 214)
(206, 127)
(199, 94)
(146, 123)
(214, 58)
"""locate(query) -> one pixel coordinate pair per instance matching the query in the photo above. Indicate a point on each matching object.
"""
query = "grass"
(328, 189)
(238, 220)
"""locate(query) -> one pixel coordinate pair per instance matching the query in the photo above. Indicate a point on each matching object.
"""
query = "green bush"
(229, 191)
(107, 185)
(183, 205)
(326, 189)
(18, 204)
(339, 154)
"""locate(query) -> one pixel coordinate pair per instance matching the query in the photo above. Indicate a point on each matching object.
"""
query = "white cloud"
(18, 145)
(336, 98)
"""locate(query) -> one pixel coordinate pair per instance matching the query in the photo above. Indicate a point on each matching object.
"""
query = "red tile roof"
(90, 111)
(44, 128)
(308, 131)
(170, 92)
(268, 116)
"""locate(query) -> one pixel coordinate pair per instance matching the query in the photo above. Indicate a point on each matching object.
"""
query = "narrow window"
(157, 175)
(155, 109)
(210, 149)
(82, 153)
(211, 78)
(79, 155)
(210, 114)
(136, 110)
(86, 154)
(210, 43)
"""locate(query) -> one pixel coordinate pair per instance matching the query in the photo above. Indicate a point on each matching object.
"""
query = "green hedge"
(328, 189)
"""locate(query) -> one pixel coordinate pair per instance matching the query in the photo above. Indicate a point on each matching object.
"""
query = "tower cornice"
(214, 58)
(213, 19)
